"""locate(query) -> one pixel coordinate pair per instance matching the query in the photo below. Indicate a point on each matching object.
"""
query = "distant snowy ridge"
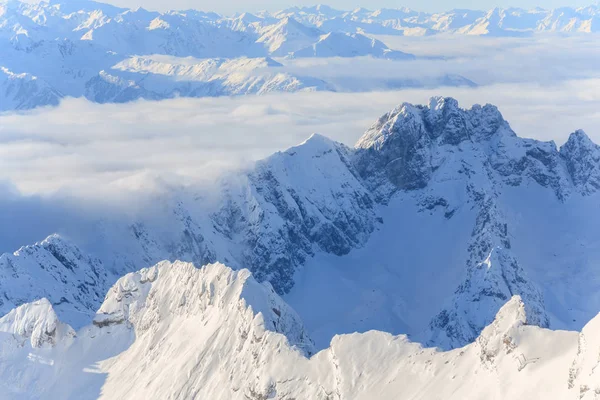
(175, 331)
(24, 91)
(156, 78)
(335, 44)
(496, 22)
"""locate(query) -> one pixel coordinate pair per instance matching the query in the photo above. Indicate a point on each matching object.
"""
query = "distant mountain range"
(51, 50)
(407, 22)
(109, 54)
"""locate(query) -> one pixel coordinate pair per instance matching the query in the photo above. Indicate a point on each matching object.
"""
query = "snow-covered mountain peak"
(143, 298)
(440, 103)
(21, 91)
(340, 44)
(287, 36)
(248, 17)
(442, 121)
(315, 144)
(73, 281)
(289, 25)
(502, 335)
(410, 142)
(37, 323)
(582, 157)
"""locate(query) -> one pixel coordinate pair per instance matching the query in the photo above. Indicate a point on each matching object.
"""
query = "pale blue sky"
(230, 6)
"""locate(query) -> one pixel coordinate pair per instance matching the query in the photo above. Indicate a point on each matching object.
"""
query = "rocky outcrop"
(72, 281)
(493, 277)
(582, 157)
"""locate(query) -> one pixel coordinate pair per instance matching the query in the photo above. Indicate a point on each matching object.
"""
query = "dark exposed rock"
(582, 158)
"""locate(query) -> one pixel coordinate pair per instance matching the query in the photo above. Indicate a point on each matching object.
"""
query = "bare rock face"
(294, 203)
(582, 157)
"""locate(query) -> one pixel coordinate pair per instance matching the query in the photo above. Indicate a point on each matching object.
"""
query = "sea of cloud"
(71, 159)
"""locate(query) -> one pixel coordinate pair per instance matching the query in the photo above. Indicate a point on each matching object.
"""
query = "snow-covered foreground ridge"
(175, 331)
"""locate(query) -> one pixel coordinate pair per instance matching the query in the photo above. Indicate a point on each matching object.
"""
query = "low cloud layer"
(84, 146)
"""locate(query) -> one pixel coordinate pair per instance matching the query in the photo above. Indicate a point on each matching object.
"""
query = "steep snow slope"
(174, 331)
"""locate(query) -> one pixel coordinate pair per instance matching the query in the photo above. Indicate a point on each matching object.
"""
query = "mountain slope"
(24, 91)
(156, 78)
(474, 184)
(287, 36)
(349, 45)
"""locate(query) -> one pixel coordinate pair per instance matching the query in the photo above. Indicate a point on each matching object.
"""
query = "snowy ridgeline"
(174, 331)
(428, 227)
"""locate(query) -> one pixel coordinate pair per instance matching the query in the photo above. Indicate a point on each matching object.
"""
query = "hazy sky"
(230, 6)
